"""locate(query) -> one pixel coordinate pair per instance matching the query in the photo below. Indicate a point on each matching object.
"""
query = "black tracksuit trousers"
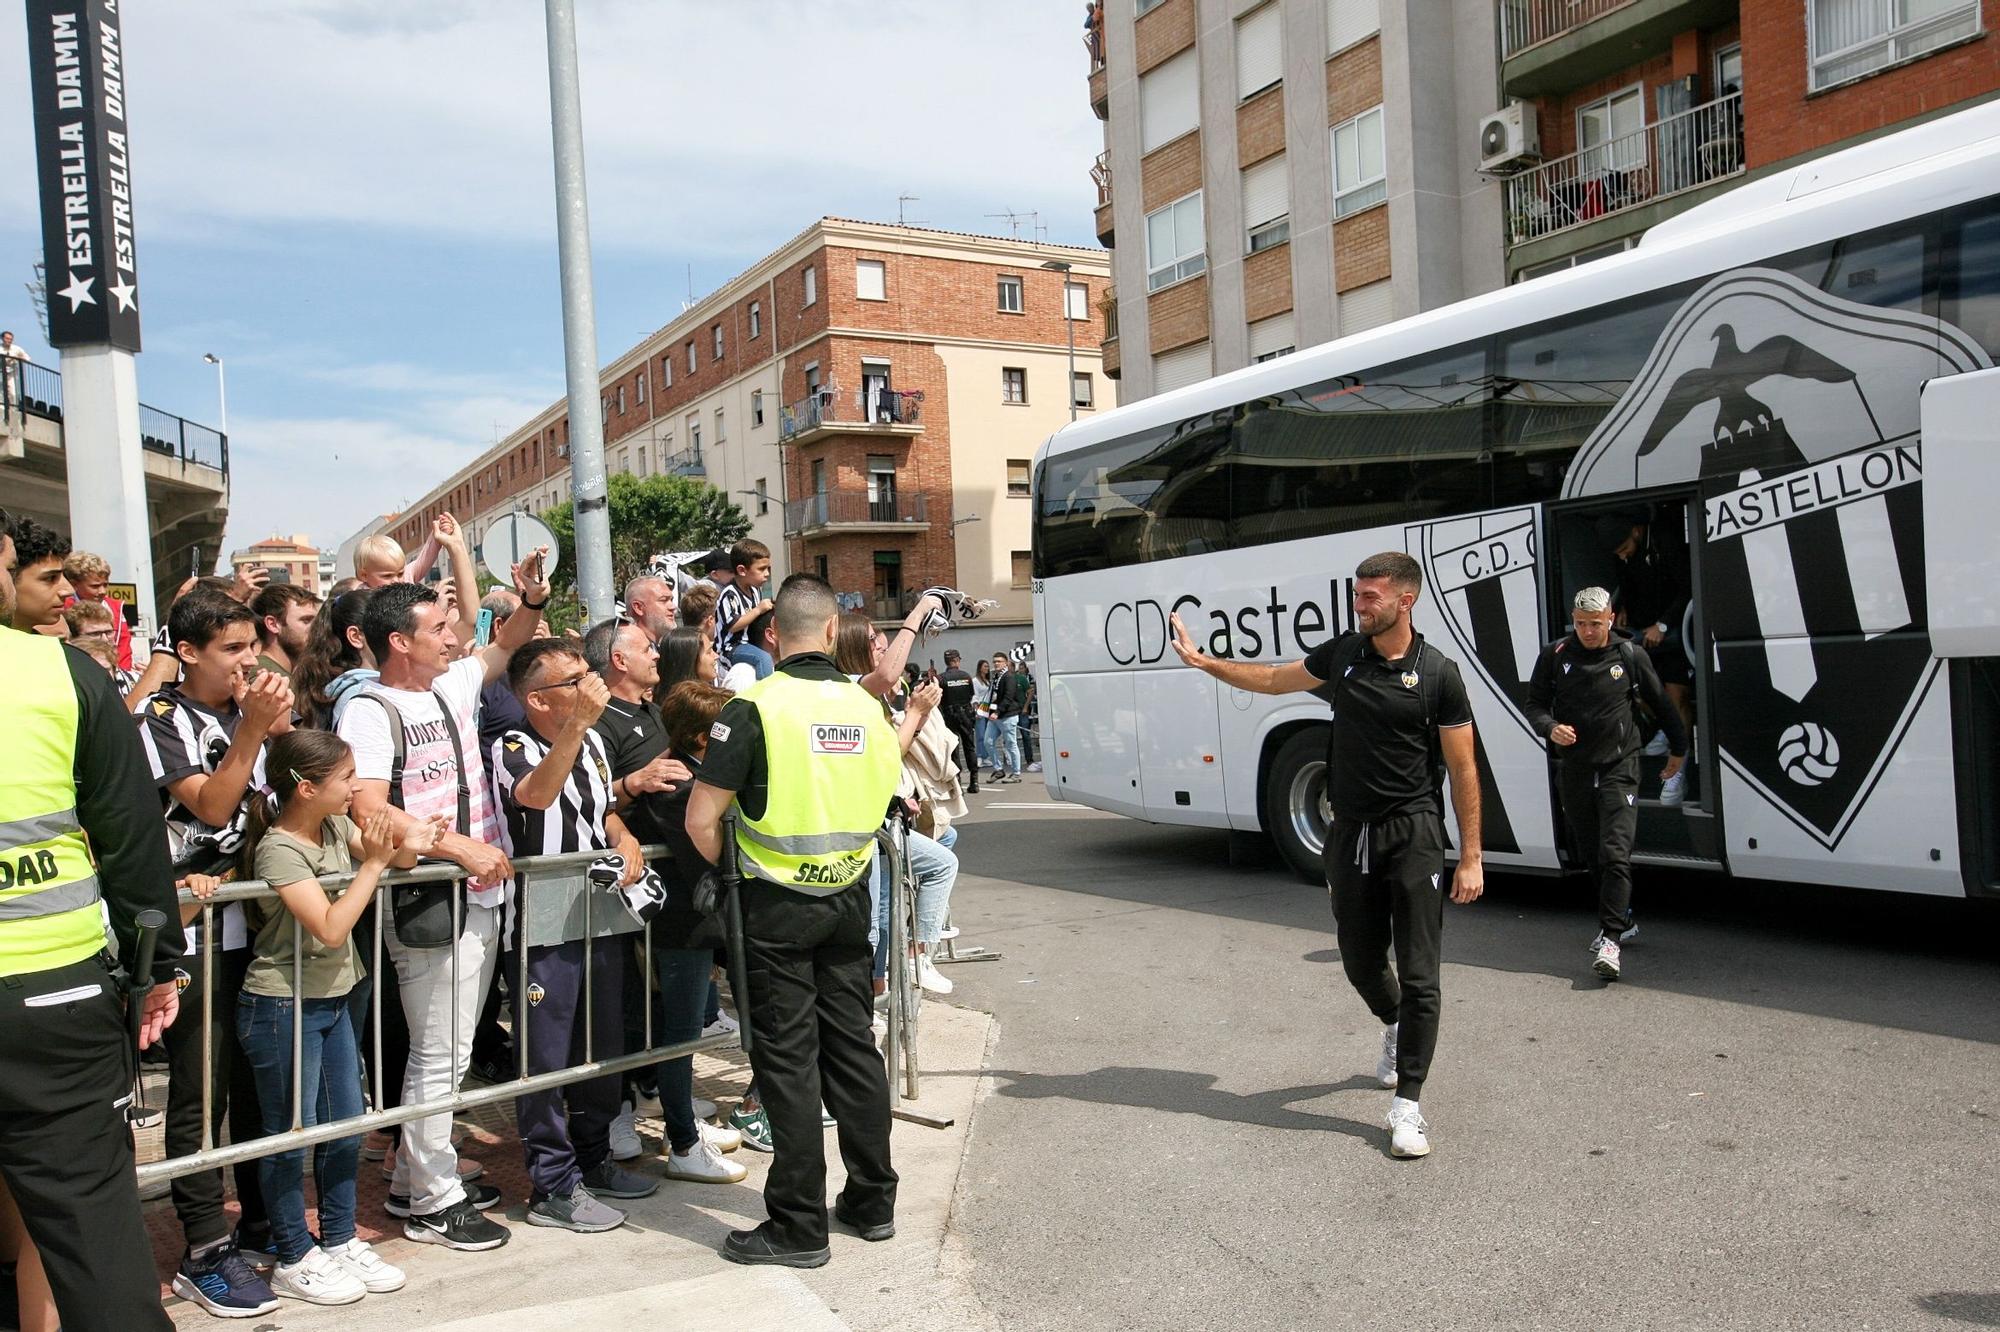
(233, 1103)
(1388, 884)
(811, 1001)
(1600, 804)
(66, 1150)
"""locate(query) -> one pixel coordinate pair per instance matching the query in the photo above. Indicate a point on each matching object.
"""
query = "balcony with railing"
(872, 411)
(1683, 152)
(1100, 175)
(856, 511)
(687, 462)
(1554, 46)
(1093, 45)
(36, 391)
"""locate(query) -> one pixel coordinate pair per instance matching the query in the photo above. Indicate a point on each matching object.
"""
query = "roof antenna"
(1014, 220)
(688, 304)
(903, 221)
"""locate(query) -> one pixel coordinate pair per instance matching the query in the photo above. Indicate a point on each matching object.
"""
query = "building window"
(812, 285)
(763, 498)
(667, 370)
(1609, 133)
(1082, 391)
(1181, 367)
(1110, 320)
(694, 432)
(1267, 205)
(642, 460)
(888, 584)
(819, 566)
(756, 319)
(1018, 473)
(1024, 568)
(757, 407)
(692, 363)
(1363, 308)
(870, 280)
(1169, 101)
(1850, 38)
(1076, 301)
(1010, 295)
(1014, 385)
(1260, 51)
(621, 399)
(639, 383)
(1272, 338)
(1147, 6)
(1729, 70)
(720, 433)
(1359, 180)
(1174, 245)
(716, 334)
(1350, 21)
(812, 378)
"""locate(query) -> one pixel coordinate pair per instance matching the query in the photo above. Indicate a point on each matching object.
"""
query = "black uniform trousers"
(964, 725)
(198, 1199)
(1388, 884)
(566, 1131)
(811, 1001)
(66, 1150)
(1600, 804)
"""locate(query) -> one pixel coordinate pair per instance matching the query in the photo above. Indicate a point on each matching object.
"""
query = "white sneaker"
(1407, 1129)
(928, 976)
(1674, 790)
(703, 1108)
(1604, 958)
(1385, 1067)
(625, 1142)
(719, 1136)
(1657, 745)
(724, 1025)
(703, 1164)
(366, 1266)
(317, 1278)
(948, 932)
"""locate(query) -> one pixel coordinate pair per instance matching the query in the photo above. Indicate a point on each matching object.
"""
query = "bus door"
(1645, 549)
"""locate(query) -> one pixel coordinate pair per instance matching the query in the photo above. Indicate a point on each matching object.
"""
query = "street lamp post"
(222, 391)
(1069, 323)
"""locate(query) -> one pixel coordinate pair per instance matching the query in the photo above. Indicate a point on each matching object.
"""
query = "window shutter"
(1260, 53)
(868, 280)
(1169, 101)
(1178, 369)
(1348, 21)
(1272, 335)
(1267, 193)
(1365, 307)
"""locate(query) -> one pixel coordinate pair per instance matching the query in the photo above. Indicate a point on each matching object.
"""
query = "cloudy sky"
(350, 201)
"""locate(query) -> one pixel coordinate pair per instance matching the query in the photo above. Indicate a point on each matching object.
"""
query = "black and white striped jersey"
(575, 822)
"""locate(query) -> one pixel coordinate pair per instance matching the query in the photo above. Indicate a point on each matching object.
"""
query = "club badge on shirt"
(1409, 679)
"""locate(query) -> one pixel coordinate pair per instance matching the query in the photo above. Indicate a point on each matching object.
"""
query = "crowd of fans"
(292, 738)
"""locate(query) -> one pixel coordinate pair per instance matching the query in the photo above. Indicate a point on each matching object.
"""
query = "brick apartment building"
(871, 395)
(1635, 110)
(1284, 172)
(292, 559)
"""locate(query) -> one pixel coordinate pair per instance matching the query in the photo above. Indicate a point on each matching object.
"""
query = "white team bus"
(1786, 389)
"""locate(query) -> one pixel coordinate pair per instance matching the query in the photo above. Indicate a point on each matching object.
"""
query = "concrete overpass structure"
(187, 479)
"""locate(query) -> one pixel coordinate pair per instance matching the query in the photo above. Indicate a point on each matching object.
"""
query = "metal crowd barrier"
(212, 1156)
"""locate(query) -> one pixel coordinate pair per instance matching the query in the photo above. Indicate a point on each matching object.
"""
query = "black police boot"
(758, 1247)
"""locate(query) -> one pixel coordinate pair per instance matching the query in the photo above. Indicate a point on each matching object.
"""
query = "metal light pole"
(586, 420)
(1069, 323)
(221, 391)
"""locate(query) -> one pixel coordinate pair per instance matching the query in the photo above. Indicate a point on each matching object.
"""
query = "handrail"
(36, 390)
(1526, 23)
(1681, 152)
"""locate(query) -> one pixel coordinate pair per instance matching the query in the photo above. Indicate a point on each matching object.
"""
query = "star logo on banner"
(78, 292)
(124, 292)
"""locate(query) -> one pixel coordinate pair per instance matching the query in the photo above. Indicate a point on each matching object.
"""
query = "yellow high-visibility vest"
(49, 912)
(833, 765)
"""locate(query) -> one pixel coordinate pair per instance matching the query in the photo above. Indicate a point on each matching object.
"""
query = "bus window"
(1883, 268)
(1555, 381)
(1971, 278)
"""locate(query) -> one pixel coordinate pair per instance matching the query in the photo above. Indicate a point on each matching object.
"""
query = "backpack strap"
(396, 750)
(464, 824)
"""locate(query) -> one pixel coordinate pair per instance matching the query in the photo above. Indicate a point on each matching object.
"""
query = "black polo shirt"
(633, 737)
(735, 760)
(1379, 749)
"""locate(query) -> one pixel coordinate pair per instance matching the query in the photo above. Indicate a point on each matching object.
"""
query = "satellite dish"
(512, 538)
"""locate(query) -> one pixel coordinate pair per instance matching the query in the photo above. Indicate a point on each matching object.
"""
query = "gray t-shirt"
(325, 973)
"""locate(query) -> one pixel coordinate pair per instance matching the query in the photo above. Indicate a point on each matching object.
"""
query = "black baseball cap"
(717, 559)
(951, 654)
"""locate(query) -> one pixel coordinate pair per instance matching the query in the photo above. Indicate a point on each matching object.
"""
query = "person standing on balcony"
(12, 357)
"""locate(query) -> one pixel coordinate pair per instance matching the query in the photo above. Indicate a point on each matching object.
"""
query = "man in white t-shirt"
(433, 695)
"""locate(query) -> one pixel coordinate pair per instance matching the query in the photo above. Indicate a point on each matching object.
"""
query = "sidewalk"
(661, 1270)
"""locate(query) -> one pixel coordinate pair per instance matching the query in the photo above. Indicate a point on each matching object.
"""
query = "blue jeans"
(682, 994)
(935, 869)
(982, 734)
(329, 1089)
(751, 655)
(1007, 746)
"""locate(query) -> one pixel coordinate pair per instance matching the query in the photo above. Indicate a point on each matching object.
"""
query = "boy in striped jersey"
(555, 788)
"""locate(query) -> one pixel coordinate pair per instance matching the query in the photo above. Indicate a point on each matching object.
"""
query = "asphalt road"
(1788, 1116)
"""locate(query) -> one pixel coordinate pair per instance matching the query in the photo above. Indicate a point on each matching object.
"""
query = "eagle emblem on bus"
(1796, 416)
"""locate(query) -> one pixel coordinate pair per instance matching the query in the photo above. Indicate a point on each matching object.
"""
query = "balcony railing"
(1100, 174)
(869, 407)
(1093, 35)
(36, 390)
(854, 508)
(688, 462)
(1681, 152)
(1523, 23)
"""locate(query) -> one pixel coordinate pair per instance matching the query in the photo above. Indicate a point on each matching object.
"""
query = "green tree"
(649, 516)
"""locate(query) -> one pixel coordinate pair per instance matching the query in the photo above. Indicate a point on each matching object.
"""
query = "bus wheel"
(1295, 808)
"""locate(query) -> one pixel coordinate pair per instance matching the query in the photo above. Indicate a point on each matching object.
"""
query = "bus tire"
(1294, 802)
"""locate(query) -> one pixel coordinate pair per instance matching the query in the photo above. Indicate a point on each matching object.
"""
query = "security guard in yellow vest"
(80, 839)
(811, 765)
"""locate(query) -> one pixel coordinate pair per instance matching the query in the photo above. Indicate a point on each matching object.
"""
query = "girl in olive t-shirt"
(304, 963)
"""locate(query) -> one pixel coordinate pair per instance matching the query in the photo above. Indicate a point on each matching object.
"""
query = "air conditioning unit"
(1509, 139)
